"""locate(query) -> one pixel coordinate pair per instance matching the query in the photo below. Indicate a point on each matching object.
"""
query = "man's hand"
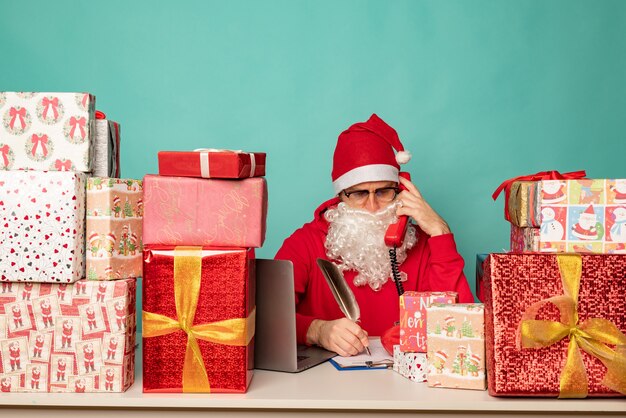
(342, 336)
(414, 205)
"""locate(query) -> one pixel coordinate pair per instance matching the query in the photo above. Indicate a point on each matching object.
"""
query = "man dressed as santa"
(349, 230)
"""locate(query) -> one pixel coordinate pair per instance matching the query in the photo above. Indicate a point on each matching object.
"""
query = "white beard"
(356, 239)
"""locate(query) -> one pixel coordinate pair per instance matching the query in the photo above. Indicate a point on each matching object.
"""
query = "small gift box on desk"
(198, 319)
(63, 337)
(413, 366)
(47, 131)
(413, 306)
(212, 163)
(114, 228)
(555, 324)
(42, 237)
(456, 346)
(193, 211)
(106, 160)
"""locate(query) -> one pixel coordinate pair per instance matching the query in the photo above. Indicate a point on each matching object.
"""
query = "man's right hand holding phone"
(414, 205)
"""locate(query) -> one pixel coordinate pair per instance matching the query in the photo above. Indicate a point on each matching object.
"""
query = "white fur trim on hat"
(373, 172)
(403, 157)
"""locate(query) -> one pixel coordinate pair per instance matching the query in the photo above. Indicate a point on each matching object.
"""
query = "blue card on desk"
(379, 359)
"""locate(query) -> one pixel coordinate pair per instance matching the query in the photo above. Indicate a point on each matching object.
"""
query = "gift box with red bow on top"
(192, 211)
(63, 337)
(42, 232)
(198, 319)
(47, 131)
(555, 324)
(212, 163)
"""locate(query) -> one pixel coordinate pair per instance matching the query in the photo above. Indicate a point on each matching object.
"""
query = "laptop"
(275, 346)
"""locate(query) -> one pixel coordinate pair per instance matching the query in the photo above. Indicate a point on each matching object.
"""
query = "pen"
(367, 350)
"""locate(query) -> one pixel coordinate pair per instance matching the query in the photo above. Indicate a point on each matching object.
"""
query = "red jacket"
(433, 264)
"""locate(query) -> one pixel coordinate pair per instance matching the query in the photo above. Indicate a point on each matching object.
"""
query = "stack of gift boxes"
(441, 341)
(204, 214)
(59, 331)
(555, 312)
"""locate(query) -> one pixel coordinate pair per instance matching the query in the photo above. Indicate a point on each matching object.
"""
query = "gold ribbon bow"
(236, 331)
(591, 335)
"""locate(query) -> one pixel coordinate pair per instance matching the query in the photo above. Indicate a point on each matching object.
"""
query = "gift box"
(413, 317)
(533, 303)
(106, 161)
(192, 211)
(63, 337)
(480, 259)
(198, 319)
(524, 240)
(42, 238)
(47, 131)
(212, 163)
(114, 228)
(456, 346)
(584, 216)
(413, 366)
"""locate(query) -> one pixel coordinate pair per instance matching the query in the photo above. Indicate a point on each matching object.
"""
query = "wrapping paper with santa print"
(114, 228)
(524, 240)
(456, 346)
(413, 317)
(193, 211)
(47, 131)
(106, 160)
(226, 292)
(42, 238)
(63, 337)
(512, 283)
(212, 163)
(413, 366)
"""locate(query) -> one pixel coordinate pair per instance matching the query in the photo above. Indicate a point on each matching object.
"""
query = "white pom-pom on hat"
(403, 157)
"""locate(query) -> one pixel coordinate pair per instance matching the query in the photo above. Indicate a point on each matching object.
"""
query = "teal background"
(479, 91)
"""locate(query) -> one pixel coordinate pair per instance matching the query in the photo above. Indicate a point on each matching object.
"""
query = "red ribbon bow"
(542, 175)
(63, 166)
(100, 115)
(47, 103)
(81, 124)
(5, 154)
(15, 113)
(85, 99)
(40, 140)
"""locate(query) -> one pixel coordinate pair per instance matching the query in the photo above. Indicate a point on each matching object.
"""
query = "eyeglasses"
(383, 195)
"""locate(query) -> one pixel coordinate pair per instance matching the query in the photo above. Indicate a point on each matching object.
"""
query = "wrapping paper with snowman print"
(63, 337)
(456, 346)
(114, 228)
(47, 131)
(42, 214)
(583, 216)
(413, 366)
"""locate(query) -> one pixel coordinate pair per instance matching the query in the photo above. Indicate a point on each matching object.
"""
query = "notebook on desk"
(379, 359)
(275, 346)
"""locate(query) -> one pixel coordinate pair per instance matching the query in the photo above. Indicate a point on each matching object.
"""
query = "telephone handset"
(394, 237)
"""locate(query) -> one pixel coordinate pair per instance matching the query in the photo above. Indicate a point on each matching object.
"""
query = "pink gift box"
(209, 212)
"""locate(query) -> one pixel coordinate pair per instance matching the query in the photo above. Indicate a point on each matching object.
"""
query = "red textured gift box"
(63, 337)
(512, 283)
(219, 288)
(206, 163)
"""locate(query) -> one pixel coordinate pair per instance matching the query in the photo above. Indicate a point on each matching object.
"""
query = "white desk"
(321, 389)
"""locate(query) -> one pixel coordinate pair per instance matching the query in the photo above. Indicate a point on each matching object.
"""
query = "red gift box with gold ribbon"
(198, 319)
(555, 324)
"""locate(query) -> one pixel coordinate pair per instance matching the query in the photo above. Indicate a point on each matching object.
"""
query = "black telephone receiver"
(394, 237)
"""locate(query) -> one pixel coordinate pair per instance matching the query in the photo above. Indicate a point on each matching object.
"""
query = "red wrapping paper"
(511, 283)
(226, 292)
(221, 164)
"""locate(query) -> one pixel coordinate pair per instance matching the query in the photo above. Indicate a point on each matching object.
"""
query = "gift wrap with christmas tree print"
(114, 228)
(63, 337)
(47, 131)
(583, 216)
(42, 238)
(456, 346)
(413, 366)
(413, 307)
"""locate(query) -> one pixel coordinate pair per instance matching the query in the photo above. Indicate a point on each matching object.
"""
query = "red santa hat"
(93, 237)
(365, 152)
(475, 358)
(449, 320)
(441, 356)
